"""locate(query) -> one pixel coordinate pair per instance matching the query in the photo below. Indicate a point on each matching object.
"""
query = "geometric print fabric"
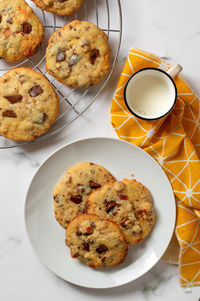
(174, 142)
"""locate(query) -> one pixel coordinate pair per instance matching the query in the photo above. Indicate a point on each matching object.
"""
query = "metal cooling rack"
(107, 15)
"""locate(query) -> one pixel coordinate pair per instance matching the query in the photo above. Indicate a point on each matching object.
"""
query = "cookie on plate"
(70, 195)
(59, 7)
(129, 204)
(78, 54)
(21, 31)
(96, 242)
(28, 104)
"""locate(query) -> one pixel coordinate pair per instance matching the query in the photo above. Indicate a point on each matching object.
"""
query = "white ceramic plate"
(122, 159)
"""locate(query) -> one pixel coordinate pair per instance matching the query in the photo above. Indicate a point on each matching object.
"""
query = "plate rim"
(37, 171)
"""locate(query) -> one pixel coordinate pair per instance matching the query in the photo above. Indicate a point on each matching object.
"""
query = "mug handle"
(174, 70)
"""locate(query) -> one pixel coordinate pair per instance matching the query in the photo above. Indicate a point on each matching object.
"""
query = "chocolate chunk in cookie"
(14, 98)
(35, 91)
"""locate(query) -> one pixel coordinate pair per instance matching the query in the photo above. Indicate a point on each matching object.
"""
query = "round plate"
(123, 160)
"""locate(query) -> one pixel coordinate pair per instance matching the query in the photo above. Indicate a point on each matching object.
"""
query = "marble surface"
(169, 28)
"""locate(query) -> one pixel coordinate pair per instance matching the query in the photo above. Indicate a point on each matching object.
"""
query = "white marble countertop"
(169, 28)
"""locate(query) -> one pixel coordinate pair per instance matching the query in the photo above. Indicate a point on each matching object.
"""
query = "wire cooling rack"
(107, 15)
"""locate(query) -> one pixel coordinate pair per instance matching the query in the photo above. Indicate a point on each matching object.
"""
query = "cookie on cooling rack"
(78, 54)
(28, 104)
(21, 32)
(70, 195)
(129, 204)
(59, 7)
(96, 242)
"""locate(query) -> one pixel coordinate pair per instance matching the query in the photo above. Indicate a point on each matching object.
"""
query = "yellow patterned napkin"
(174, 142)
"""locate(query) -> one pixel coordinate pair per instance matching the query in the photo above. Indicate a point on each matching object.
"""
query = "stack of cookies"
(102, 216)
(77, 55)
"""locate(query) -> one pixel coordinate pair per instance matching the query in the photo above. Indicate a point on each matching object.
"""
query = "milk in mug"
(150, 94)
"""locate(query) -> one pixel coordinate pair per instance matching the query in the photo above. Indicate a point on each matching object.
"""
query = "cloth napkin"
(174, 142)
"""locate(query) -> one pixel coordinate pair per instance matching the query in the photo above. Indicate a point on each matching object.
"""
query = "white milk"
(150, 94)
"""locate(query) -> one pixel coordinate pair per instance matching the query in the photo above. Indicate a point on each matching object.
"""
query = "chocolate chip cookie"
(70, 195)
(78, 54)
(28, 104)
(129, 204)
(96, 242)
(21, 32)
(59, 7)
